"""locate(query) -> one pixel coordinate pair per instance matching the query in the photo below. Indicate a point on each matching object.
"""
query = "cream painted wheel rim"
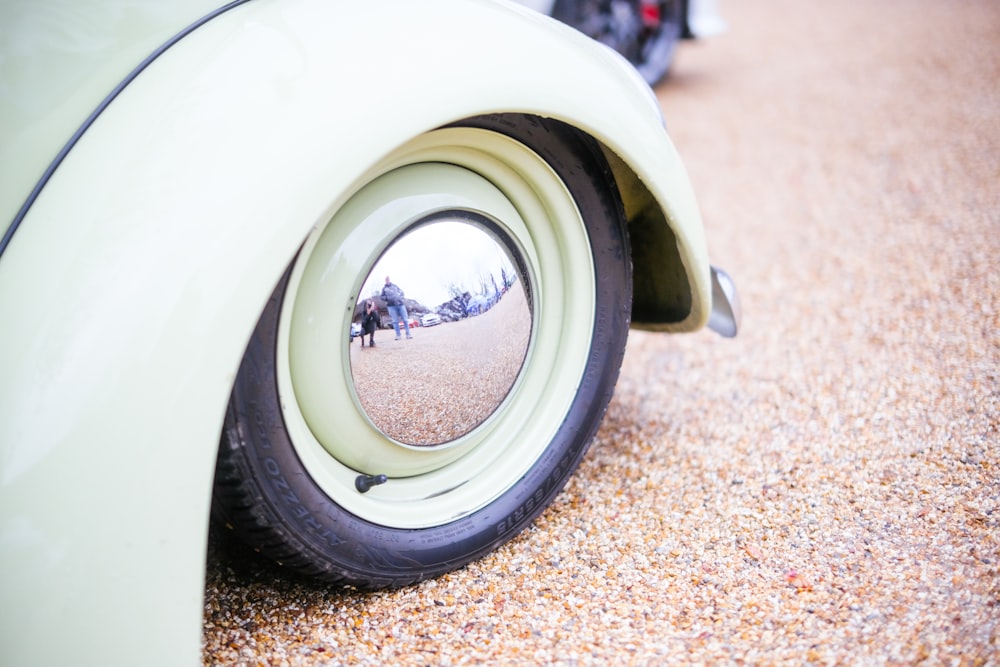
(463, 169)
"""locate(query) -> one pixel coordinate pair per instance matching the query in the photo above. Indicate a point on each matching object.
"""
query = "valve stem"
(365, 482)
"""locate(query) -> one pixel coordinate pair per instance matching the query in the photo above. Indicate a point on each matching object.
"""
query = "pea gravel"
(822, 489)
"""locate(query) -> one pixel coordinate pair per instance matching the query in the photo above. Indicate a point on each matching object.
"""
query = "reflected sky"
(427, 260)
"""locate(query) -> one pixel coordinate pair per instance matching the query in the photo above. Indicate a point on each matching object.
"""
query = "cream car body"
(133, 275)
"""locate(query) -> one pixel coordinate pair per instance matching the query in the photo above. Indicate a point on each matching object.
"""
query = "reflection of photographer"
(393, 296)
(369, 322)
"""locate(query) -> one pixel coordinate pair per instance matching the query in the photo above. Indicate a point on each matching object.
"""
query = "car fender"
(136, 276)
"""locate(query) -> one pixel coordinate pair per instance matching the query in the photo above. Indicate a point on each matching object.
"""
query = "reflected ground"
(448, 378)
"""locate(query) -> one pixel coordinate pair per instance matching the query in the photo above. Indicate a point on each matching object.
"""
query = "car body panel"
(61, 59)
(135, 279)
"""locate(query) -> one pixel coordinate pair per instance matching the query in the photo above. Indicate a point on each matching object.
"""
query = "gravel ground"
(823, 489)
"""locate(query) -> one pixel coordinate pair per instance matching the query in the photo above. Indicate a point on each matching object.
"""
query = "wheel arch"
(663, 298)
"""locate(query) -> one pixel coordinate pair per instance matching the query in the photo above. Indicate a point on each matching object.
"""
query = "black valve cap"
(365, 482)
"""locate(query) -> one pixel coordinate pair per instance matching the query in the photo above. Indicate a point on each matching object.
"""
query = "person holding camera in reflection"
(369, 322)
(393, 296)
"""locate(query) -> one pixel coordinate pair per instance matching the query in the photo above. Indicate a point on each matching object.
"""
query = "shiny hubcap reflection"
(469, 312)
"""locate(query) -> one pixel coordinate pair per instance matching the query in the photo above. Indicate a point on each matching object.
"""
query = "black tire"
(648, 44)
(268, 496)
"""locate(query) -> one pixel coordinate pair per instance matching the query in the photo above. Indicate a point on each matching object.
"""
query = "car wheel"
(645, 32)
(385, 466)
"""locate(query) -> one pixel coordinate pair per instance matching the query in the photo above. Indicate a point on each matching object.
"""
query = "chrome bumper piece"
(725, 317)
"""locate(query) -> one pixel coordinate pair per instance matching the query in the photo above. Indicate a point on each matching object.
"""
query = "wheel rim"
(655, 49)
(454, 169)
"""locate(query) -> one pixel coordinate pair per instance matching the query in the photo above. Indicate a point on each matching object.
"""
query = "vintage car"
(430, 319)
(646, 32)
(193, 196)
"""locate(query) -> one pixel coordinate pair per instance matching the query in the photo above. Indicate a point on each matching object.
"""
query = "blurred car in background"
(646, 32)
(430, 319)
